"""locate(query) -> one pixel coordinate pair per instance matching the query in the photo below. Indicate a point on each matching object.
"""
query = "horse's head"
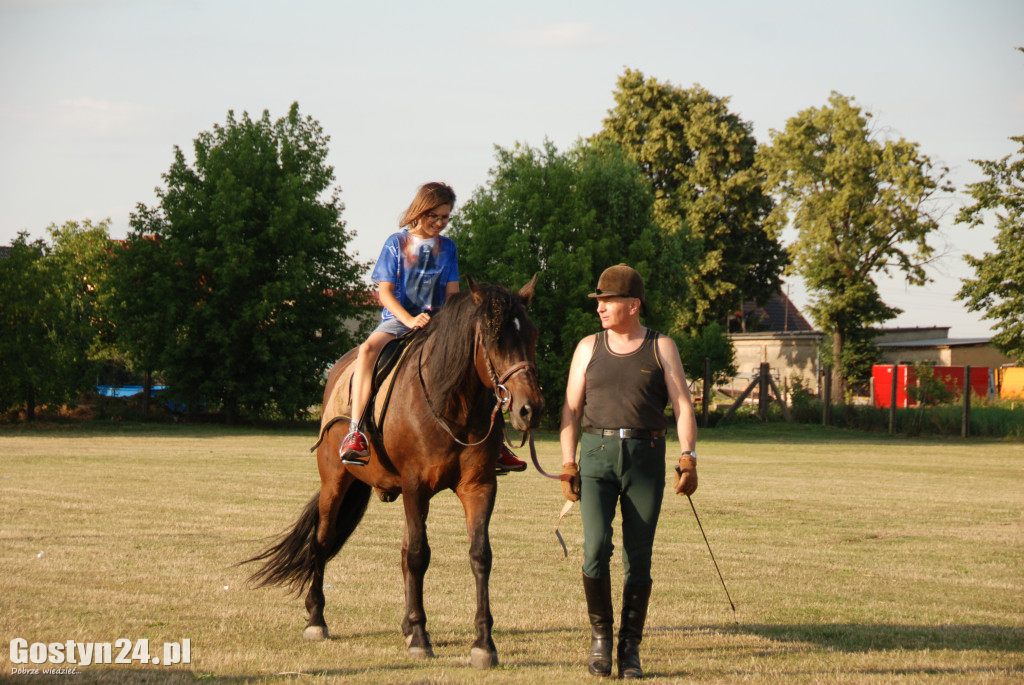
(507, 343)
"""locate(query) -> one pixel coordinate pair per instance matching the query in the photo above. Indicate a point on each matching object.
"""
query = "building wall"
(938, 356)
(946, 355)
(978, 356)
(789, 355)
(886, 335)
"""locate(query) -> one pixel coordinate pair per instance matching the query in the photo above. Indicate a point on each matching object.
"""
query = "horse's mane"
(451, 337)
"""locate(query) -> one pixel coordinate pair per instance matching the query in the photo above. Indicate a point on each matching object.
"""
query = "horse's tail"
(291, 560)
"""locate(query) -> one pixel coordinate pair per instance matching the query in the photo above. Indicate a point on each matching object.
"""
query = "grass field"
(850, 558)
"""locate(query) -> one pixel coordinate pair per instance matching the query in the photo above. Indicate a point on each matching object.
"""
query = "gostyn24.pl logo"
(69, 655)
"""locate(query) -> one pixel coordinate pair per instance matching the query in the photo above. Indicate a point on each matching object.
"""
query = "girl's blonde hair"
(428, 197)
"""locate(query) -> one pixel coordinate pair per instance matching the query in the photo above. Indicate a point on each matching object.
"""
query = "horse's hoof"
(426, 652)
(483, 658)
(421, 653)
(315, 633)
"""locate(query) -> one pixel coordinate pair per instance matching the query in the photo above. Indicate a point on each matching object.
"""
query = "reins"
(501, 393)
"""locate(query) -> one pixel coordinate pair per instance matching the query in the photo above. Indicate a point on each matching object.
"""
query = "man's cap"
(621, 280)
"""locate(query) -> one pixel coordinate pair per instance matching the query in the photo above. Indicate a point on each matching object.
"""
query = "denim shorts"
(392, 326)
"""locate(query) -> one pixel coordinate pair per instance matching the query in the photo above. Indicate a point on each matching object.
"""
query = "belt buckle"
(623, 433)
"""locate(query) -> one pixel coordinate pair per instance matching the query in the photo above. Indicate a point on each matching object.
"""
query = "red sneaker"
(354, 449)
(508, 462)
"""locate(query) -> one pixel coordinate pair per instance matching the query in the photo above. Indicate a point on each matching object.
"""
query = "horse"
(441, 428)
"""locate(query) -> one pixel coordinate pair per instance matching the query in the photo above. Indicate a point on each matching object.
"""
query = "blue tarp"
(125, 390)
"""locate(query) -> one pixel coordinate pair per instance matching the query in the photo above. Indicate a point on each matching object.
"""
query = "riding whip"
(713, 558)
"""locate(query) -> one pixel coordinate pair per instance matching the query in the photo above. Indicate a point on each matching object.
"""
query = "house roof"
(937, 342)
(779, 314)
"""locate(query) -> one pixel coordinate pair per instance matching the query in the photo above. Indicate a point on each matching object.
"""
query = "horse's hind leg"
(415, 559)
(478, 501)
(341, 508)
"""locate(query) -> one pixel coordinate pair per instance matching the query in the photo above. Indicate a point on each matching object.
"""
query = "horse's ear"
(475, 290)
(526, 292)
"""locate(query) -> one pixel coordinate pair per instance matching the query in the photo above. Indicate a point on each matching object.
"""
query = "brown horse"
(441, 429)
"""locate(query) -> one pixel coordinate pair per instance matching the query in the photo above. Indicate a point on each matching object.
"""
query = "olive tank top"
(625, 390)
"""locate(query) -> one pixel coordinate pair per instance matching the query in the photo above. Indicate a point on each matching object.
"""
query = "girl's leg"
(355, 443)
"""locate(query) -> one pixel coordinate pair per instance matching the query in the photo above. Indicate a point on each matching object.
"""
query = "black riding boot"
(599, 607)
(631, 628)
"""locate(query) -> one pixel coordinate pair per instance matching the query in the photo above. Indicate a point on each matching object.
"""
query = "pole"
(763, 397)
(892, 399)
(826, 396)
(965, 428)
(706, 399)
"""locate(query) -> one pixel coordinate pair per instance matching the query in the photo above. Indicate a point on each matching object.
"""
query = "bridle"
(501, 392)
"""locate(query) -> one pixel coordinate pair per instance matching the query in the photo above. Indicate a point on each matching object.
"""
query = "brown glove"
(570, 481)
(686, 475)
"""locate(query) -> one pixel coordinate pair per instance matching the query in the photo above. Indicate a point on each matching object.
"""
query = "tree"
(710, 343)
(138, 281)
(567, 216)
(249, 264)
(860, 207)
(998, 286)
(26, 345)
(699, 159)
(48, 306)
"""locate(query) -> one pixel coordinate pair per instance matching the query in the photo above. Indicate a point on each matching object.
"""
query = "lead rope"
(565, 507)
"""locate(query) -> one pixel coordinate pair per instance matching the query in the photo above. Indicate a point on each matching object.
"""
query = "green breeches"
(629, 472)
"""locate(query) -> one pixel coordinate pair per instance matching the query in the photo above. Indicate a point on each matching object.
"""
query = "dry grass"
(851, 558)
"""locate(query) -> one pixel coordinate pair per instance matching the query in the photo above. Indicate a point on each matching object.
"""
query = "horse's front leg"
(415, 559)
(478, 501)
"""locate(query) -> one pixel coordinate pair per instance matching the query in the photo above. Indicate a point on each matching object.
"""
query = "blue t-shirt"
(421, 270)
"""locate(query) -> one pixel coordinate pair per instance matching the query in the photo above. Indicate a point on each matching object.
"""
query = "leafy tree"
(138, 282)
(568, 216)
(26, 345)
(50, 317)
(700, 161)
(860, 354)
(249, 265)
(860, 207)
(710, 342)
(998, 286)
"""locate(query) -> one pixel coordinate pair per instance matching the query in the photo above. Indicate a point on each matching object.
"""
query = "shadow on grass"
(875, 637)
(106, 674)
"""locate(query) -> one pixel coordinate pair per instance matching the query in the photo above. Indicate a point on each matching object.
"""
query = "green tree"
(567, 216)
(700, 161)
(711, 342)
(998, 286)
(860, 207)
(138, 283)
(860, 354)
(48, 305)
(26, 345)
(249, 263)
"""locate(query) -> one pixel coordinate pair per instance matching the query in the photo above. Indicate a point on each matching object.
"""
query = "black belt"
(623, 433)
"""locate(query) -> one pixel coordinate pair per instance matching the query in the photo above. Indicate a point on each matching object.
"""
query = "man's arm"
(575, 391)
(678, 393)
(686, 421)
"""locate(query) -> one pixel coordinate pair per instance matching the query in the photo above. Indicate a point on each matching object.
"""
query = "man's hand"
(686, 475)
(570, 481)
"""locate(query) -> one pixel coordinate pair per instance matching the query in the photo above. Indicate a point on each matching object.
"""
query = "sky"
(95, 94)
